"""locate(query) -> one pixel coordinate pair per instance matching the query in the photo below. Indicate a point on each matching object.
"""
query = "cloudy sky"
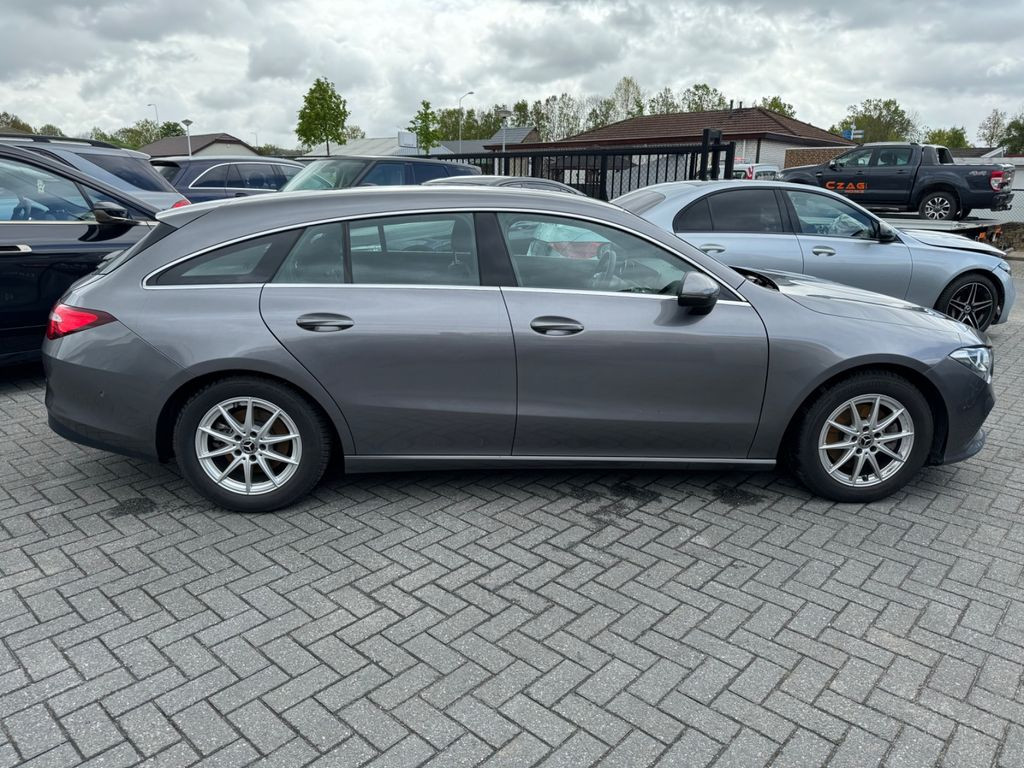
(242, 67)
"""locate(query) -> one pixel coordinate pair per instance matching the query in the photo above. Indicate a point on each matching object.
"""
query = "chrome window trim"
(620, 294)
(426, 211)
(229, 162)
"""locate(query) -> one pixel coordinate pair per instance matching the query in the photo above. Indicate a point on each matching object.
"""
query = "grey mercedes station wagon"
(444, 328)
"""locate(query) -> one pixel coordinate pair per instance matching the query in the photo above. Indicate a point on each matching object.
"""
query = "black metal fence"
(608, 173)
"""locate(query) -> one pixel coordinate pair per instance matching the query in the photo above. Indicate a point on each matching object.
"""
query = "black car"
(516, 182)
(56, 225)
(355, 171)
(201, 178)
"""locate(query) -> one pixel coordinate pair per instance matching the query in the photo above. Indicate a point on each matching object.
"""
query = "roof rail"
(46, 139)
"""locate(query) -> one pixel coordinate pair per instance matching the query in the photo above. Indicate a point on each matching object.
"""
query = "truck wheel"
(938, 206)
(964, 213)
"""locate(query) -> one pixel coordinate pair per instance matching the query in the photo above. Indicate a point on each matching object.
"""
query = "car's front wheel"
(863, 438)
(250, 444)
(972, 299)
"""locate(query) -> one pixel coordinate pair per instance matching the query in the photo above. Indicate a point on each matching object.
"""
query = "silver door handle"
(556, 326)
(323, 322)
(16, 248)
(823, 250)
(710, 248)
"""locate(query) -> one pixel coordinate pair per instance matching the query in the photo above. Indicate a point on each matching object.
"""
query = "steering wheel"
(22, 211)
(608, 263)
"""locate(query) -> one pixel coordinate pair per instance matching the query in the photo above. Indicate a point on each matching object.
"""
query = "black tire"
(938, 205)
(313, 446)
(808, 465)
(956, 300)
(963, 213)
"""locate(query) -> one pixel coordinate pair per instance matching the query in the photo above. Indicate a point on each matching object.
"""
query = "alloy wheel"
(248, 446)
(938, 208)
(866, 440)
(973, 305)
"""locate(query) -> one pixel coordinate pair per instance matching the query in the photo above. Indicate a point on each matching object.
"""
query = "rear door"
(48, 239)
(609, 365)
(838, 242)
(210, 184)
(741, 228)
(389, 314)
(889, 178)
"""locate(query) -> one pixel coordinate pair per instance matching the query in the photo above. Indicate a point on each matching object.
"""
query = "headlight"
(978, 359)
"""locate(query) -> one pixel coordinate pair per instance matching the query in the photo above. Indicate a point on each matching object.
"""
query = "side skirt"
(358, 464)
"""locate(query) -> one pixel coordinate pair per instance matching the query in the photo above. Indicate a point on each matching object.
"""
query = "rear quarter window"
(249, 261)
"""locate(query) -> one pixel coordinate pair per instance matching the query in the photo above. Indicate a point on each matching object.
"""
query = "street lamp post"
(467, 93)
(188, 134)
(504, 114)
(156, 112)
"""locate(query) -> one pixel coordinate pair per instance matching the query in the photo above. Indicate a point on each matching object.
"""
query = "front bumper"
(1009, 294)
(968, 400)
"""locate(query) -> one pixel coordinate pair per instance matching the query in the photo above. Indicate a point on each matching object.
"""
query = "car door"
(417, 354)
(845, 174)
(48, 239)
(741, 228)
(210, 184)
(245, 179)
(889, 178)
(609, 365)
(840, 243)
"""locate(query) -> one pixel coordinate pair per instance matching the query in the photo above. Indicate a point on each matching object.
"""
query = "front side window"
(28, 193)
(327, 174)
(824, 215)
(745, 210)
(859, 158)
(385, 175)
(428, 249)
(250, 261)
(554, 252)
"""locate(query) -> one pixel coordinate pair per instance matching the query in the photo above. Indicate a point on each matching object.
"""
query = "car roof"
(11, 152)
(675, 191)
(224, 159)
(486, 180)
(400, 158)
(68, 144)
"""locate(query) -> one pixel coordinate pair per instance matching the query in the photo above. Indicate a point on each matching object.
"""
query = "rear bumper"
(1000, 201)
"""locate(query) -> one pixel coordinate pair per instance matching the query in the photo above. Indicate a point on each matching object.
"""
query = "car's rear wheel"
(972, 299)
(963, 213)
(938, 206)
(250, 444)
(863, 438)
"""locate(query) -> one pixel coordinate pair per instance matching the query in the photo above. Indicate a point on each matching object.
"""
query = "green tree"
(600, 112)
(425, 125)
(521, 115)
(1013, 135)
(628, 98)
(98, 134)
(352, 132)
(701, 97)
(270, 150)
(992, 128)
(49, 129)
(139, 134)
(323, 116)
(11, 122)
(880, 119)
(777, 105)
(664, 102)
(170, 128)
(953, 138)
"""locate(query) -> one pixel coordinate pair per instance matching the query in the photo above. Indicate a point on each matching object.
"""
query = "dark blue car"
(201, 178)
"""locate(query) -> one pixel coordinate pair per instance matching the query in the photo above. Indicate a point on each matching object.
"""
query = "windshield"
(133, 170)
(327, 174)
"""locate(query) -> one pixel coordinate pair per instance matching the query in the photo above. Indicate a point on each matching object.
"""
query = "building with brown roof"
(761, 136)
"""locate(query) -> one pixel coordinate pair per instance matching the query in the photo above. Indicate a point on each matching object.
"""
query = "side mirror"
(110, 213)
(833, 164)
(886, 234)
(698, 293)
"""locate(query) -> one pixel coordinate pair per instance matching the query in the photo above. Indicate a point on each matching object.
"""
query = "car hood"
(830, 298)
(950, 240)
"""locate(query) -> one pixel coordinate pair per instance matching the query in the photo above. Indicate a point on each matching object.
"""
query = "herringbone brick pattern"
(528, 618)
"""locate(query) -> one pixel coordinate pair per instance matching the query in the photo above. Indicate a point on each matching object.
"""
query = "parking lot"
(536, 617)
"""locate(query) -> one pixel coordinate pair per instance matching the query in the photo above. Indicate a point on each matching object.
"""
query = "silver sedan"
(796, 228)
(413, 328)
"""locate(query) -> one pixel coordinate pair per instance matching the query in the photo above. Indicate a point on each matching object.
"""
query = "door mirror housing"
(697, 293)
(110, 213)
(833, 164)
(885, 234)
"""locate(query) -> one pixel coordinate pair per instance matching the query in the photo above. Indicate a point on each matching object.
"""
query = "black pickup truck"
(911, 177)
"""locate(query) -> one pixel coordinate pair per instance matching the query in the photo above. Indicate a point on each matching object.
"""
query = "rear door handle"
(322, 322)
(823, 250)
(710, 248)
(556, 326)
(21, 248)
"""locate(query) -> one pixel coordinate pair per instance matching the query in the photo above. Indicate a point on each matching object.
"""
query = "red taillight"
(65, 320)
(180, 203)
(995, 178)
(750, 172)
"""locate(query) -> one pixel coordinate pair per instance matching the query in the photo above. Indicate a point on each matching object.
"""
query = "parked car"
(406, 329)
(204, 177)
(758, 171)
(354, 171)
(56, 225)
(124, 169)
(911, 177)
(774, 225)
(517, 182)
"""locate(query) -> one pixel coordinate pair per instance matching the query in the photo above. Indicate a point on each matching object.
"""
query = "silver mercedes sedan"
(796, 228)
(413, 328)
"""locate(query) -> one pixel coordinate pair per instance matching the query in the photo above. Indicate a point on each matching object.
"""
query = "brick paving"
(531, 618)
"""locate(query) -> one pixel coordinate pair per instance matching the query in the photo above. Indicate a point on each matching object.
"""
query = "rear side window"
(255, 176)
(640, 202)
(167, 170)
(431, 249)
(317, 257)
(461, 169)
(693, 218)
(745, 210)
(217, 176)
(133, 170)
(250, 261)
(385, 175)
(426, 171)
